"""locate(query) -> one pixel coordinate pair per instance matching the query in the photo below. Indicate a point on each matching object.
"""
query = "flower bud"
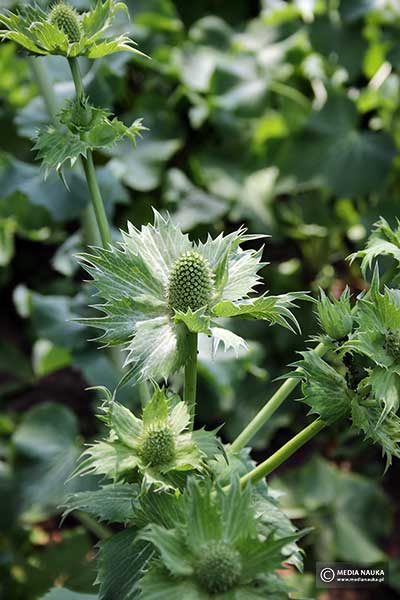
(335, 315)
(219, 567)
(158, 447)
(190, 283)
(392, 343)
(66, 19)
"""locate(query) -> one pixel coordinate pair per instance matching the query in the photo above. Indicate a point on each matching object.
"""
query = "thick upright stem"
(76, 76)
(88, 166)
(97, 200)
(45, 88)
(269, 465)
(269, 408)
(190, 383)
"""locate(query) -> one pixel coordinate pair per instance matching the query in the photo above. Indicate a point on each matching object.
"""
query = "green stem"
(90, 230)
(97, 200)
(190, 383)
(92, 525)
(269, 465)
(43, 82)
(270, 407)
(76, 76)
(88, 167)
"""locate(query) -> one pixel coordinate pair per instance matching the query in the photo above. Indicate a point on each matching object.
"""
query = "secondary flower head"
(215, 551)
(335, 315)
(154, 448)
(62, 30)
(158, 286)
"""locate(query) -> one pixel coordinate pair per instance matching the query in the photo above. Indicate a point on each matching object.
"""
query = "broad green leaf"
(342, 508)
(122, 560)
(46, 446)
(111, 503)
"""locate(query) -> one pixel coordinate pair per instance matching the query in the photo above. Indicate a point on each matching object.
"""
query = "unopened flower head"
(66, 19)
(219, 567)
(152, 448)
(218, 548)
(190, 283)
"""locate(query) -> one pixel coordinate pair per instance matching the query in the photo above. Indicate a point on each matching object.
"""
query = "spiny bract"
(219, 567)
(66, 19)
(190, 283)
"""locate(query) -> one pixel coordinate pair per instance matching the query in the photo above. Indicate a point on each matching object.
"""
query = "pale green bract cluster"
(154, 281)
(64, 32)
(87, 128)
(153, 449)
(215, 551)
(367, 388)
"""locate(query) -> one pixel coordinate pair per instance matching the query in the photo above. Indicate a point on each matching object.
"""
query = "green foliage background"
(281, 115)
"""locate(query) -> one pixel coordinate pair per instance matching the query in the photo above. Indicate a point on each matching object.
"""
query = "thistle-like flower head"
(66, 19)
(158, 286)
(218, 550)
(153, 449)
(63, 31)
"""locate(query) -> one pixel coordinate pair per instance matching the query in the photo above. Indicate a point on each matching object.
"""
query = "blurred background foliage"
(281, 115)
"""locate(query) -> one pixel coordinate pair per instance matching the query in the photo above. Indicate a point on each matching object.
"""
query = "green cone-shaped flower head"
(153, 449)
(63, 31)
(158, 446)
(190, 283)
(392, 343)
(66, 19)
(158, 285)
(217, 548)
(219, 567)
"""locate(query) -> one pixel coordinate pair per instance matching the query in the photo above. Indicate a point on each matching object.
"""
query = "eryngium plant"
(217, 551)
(158, 286)
(63, 31)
